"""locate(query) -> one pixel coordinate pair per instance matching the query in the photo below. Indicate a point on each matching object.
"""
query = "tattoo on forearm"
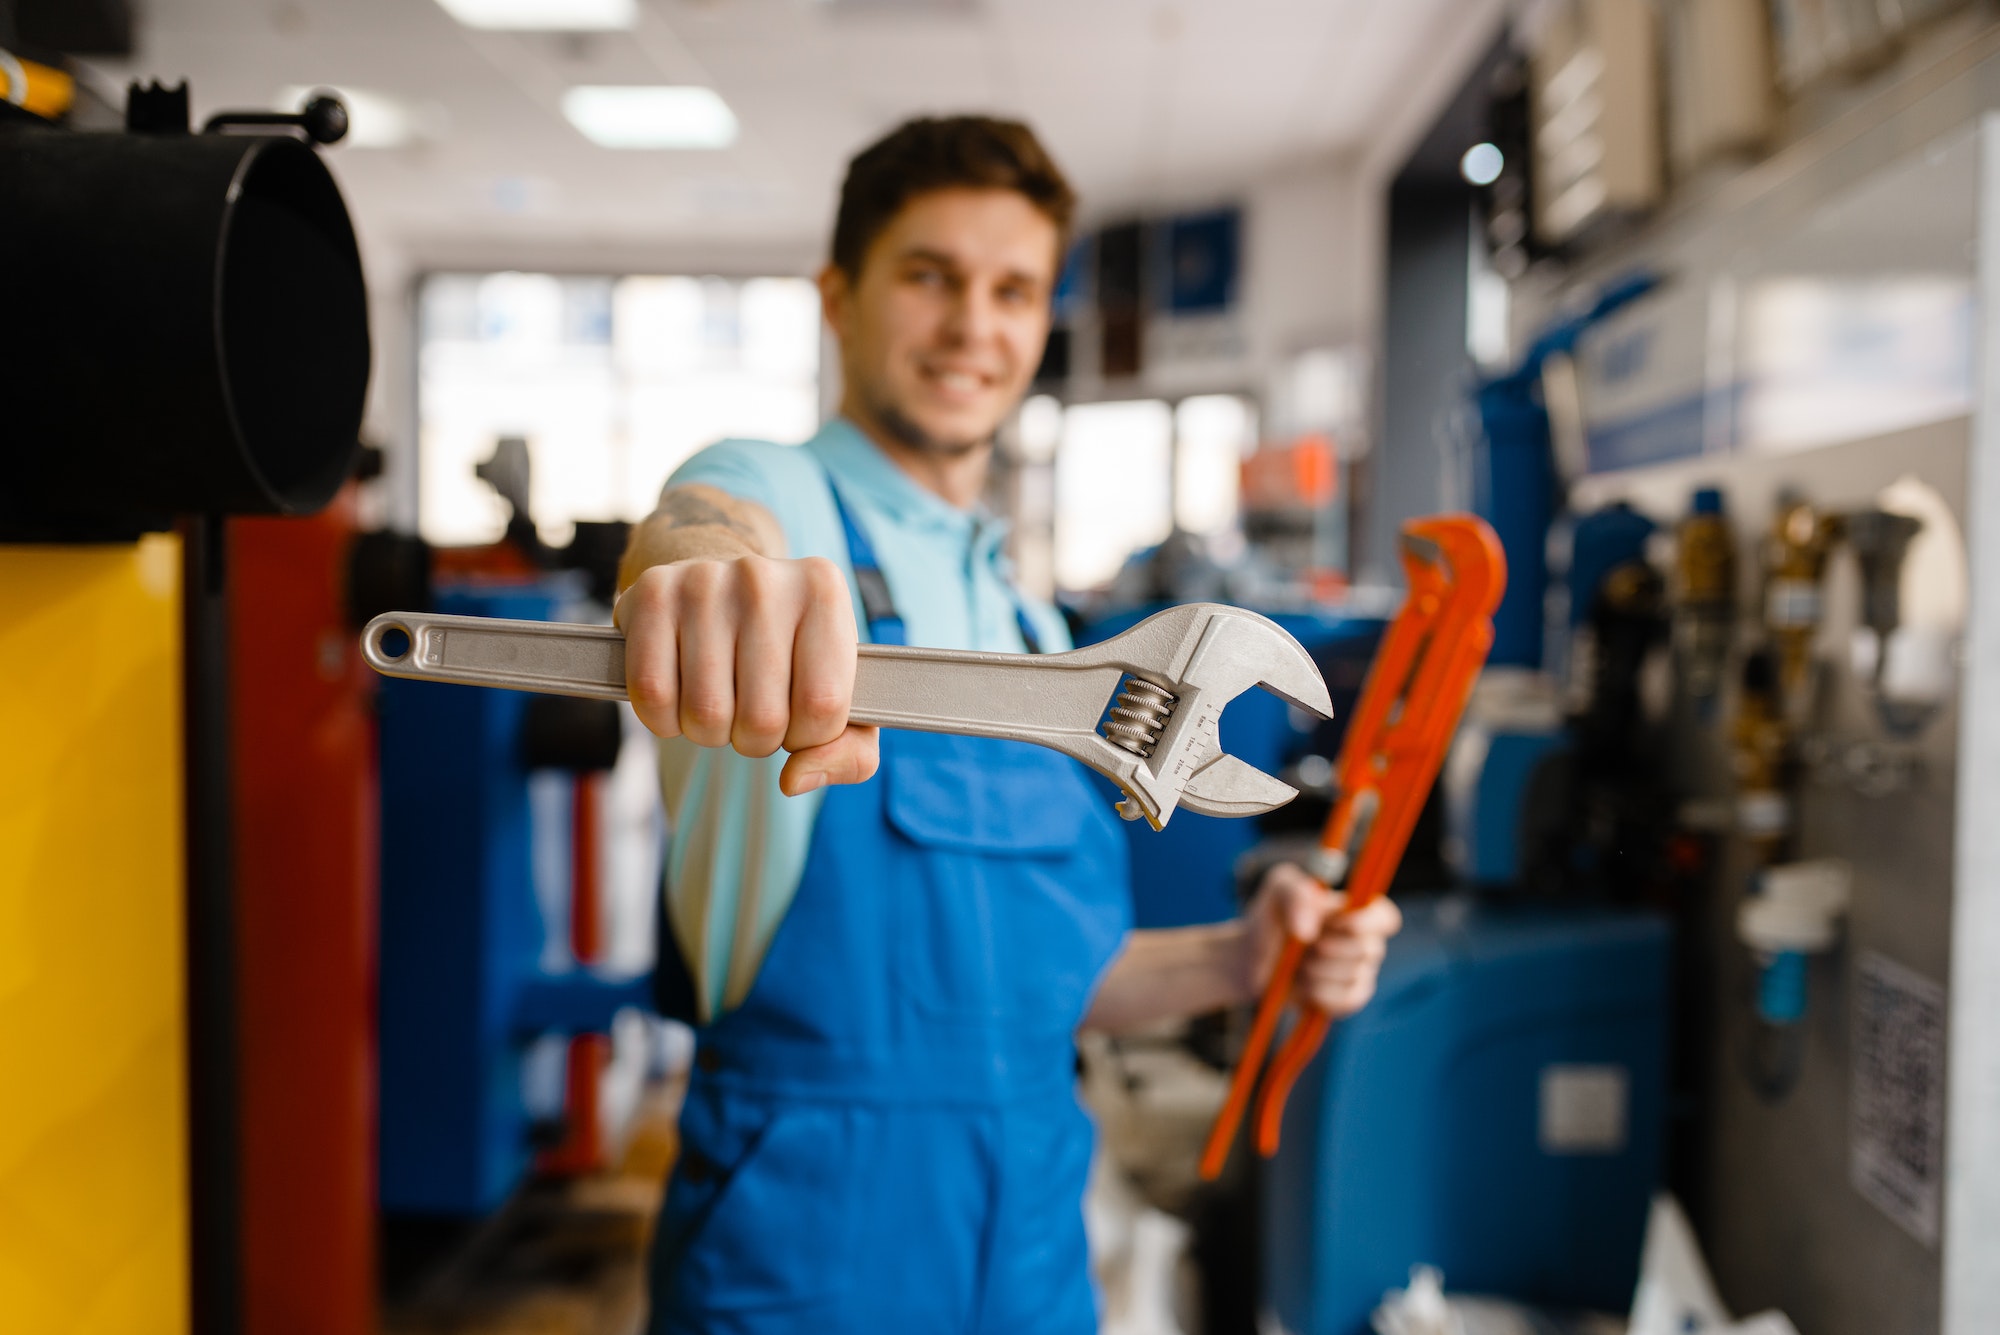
(682, 510)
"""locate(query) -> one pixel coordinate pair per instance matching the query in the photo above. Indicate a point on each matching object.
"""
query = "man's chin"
(946, 434)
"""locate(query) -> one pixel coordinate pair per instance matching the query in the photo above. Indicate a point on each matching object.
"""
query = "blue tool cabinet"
(1496, 1111)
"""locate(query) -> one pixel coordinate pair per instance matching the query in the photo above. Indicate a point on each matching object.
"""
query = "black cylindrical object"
(186, 326)
(564, 732)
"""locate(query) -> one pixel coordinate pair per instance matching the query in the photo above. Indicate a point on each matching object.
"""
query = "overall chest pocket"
(1012, 893)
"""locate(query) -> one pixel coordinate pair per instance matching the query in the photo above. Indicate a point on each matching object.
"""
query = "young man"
(888, 941)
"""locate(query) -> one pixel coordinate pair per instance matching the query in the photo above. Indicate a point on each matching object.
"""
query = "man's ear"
(834, 294)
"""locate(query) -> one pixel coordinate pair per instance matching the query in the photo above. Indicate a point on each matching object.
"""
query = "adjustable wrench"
(1171, 675)
(1396, 741)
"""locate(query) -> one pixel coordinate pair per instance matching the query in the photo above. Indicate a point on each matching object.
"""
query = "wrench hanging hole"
(1138, 715)
(393, 642)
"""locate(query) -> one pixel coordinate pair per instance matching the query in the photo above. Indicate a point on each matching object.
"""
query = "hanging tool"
(1396, 741)
(1795, 553)
(1172, 674)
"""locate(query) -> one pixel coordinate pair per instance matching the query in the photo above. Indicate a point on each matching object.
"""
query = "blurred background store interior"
(330, 1001)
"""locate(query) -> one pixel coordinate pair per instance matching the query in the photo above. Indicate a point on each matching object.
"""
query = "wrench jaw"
(1221, 652)
(1228, 786)
(1186, 745)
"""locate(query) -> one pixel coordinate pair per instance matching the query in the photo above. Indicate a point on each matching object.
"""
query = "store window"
(1114, 493)
(1128, 473)
(611, 381)
(1212, 434)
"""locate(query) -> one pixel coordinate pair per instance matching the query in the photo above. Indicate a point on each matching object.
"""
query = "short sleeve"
(743, 468)
(784, 479)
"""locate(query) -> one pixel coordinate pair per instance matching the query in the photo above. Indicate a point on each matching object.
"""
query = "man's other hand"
(750, 652)
(1344, 954)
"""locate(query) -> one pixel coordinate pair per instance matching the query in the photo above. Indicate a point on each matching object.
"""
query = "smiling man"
(888, 941)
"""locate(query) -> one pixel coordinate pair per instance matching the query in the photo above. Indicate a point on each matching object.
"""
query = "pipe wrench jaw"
(1218, 653)
(1457, 552)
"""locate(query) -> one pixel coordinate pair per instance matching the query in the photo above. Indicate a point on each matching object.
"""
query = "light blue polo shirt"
(739, 845)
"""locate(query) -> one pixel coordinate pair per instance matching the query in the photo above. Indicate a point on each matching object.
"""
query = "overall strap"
(878, 605)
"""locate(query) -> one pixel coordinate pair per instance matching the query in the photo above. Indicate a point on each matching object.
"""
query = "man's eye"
(927, 277)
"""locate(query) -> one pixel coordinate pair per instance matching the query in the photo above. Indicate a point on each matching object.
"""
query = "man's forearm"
(699, 523)
(1170, 975)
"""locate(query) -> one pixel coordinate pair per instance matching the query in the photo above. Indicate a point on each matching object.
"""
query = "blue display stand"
(463, 990)
(1496, 1112)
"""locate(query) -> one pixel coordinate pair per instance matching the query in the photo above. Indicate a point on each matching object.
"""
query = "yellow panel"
(93, 1177)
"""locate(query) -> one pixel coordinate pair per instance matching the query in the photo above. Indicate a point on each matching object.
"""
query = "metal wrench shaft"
(1199, 658)
(982, 694)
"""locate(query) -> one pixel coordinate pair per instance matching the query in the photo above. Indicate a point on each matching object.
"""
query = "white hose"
(17, 78)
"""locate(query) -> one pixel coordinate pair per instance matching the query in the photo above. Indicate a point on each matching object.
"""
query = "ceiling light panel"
(545, 15)
(650, 116)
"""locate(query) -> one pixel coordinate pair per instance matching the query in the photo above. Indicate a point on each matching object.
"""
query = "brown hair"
(940, 153)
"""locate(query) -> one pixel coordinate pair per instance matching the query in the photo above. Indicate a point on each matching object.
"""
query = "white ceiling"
(1143, 101)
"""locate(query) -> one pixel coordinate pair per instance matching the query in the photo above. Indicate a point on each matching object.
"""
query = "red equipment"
(1409, 710)
(304, 756)
(582, 1148)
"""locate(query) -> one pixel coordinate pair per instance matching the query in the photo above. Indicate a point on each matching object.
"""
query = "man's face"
(942, 330)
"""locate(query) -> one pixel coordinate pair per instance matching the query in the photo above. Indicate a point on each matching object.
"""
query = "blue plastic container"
(1496, 1111)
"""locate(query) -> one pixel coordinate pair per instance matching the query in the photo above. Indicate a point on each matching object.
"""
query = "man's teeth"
(958, 380)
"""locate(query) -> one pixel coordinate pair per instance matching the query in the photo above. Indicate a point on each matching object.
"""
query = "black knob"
(324, 119)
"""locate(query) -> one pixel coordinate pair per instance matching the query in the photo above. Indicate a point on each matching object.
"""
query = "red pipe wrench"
(1403, 725)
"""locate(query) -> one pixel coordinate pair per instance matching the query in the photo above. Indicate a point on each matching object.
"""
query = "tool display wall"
(1792, 745)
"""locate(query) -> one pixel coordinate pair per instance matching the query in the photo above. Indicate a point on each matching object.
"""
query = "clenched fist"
(751, 652)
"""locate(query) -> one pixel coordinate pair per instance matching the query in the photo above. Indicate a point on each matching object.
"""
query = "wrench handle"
(547, 656)
(930, 690)
(1026, 697)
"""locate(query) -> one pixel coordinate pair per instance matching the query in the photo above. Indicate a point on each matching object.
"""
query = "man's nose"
(974, 315)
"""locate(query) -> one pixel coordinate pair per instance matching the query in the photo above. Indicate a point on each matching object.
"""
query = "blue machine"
(1185, 874)
(1516, 488)
(1496, 1111)
(1602, 541)
(463, 988)
(1486, 786)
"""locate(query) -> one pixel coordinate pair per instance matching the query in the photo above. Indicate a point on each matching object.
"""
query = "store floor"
(564, 1257)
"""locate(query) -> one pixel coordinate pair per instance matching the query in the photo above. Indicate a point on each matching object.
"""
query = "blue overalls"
(884, 1136)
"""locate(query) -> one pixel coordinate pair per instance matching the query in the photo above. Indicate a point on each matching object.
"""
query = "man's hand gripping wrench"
(1172, 674)
(1396, 741)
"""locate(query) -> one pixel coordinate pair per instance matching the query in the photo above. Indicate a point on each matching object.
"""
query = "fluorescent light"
(545, 15)
(650, 116)
(374, 120)
(1481, 164)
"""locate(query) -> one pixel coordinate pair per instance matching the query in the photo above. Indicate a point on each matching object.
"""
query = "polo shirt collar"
(871, 477)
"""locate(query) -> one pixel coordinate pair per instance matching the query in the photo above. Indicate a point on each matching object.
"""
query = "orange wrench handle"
(1292, 1059)
(1396, 743)
(1269, 1008)
(1371, 880)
